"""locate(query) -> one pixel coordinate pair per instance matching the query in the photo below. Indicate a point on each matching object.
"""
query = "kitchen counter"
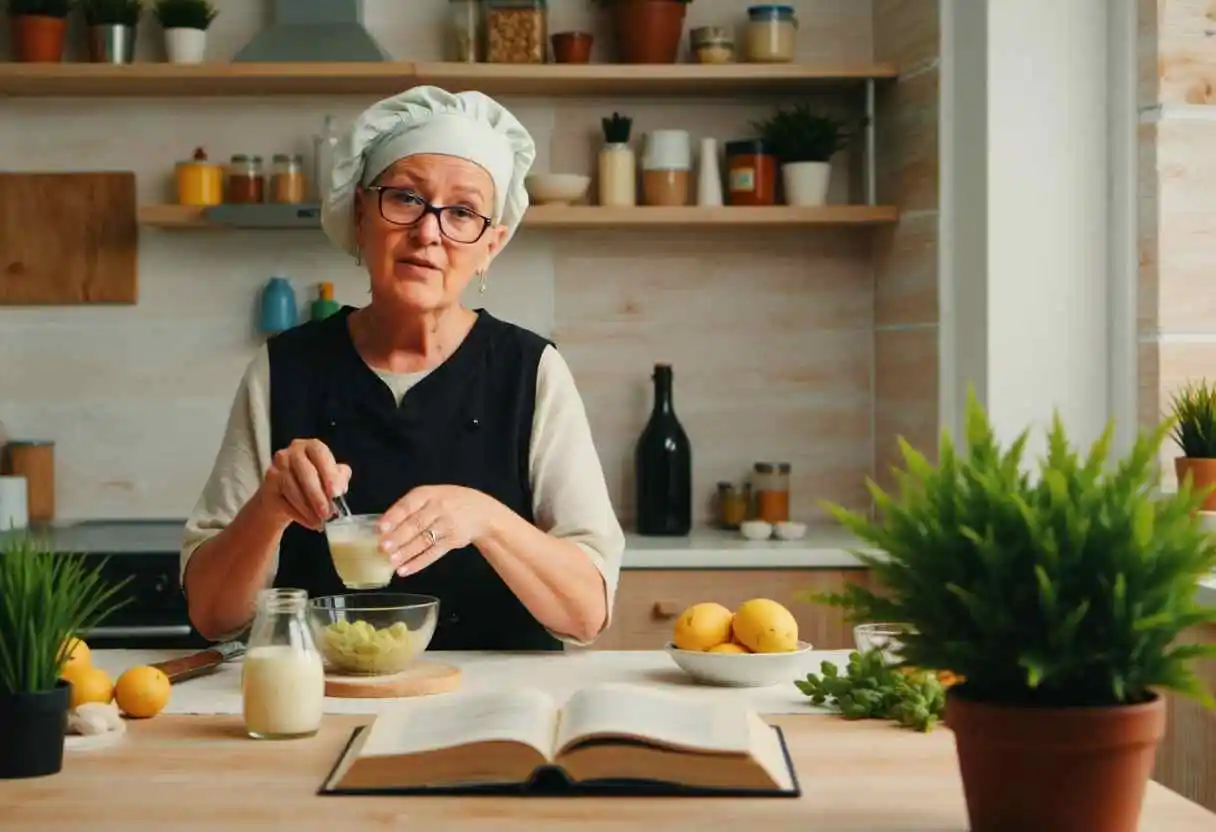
(200, 772)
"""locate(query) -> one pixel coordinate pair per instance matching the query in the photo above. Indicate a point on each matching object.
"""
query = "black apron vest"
(468, 422)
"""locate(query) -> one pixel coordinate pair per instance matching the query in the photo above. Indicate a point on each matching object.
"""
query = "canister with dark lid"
(751, 173)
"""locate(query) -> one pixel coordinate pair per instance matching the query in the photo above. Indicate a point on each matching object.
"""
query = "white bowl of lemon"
(756, 645)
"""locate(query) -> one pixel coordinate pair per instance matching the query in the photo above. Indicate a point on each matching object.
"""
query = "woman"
(465, 431)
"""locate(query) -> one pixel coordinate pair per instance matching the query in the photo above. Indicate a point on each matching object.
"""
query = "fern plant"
(1194, 416)
(799, 134)
(45, 598)
(184, 14)
(1067, 589)
(112, 12)
(39, 8)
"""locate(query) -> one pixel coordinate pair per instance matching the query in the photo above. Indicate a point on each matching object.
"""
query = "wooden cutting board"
(68, 238)
(421, 678)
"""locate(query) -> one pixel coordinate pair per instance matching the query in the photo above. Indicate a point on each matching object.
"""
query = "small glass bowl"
(354, 546)
(372, 633)
(881, 635)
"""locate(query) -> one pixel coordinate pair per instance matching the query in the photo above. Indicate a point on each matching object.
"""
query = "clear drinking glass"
(354, 545)
(282, 673)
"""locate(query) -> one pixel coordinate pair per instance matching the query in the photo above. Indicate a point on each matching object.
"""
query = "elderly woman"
(465, 431)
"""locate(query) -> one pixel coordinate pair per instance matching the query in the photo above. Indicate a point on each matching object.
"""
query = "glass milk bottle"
(282, 676)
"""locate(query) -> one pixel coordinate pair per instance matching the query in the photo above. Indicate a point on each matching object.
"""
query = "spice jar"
(245, 182)
(666, 166)
(517, 31)
(771, 32)
(199, 182)
(711, 45)
(771, 484)
(287, 184)
(751, 173)
(282, 675)
(466, 32)
(732, 511)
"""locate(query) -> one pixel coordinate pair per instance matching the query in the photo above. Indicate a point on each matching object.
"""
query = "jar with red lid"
(751, 173)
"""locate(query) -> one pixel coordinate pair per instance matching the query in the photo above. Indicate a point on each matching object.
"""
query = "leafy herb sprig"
(45, 599)
(873, 689)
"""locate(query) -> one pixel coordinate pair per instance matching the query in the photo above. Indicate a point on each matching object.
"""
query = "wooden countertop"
(201, 772)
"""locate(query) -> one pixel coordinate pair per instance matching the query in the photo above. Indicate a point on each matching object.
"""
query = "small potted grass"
(46, 599)
(38, 29)
(1194, 416)
(185, 23)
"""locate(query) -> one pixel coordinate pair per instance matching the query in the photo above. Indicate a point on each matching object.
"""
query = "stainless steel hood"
(314, 31)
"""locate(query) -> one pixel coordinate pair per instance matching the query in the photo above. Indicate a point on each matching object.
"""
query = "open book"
(612, 738)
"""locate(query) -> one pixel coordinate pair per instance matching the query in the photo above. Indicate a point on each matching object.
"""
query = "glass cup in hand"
(354, 545)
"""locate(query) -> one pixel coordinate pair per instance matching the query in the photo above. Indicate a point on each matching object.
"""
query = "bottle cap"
(327, 291)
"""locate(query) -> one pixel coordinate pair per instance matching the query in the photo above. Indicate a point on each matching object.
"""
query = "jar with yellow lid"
(200, 182)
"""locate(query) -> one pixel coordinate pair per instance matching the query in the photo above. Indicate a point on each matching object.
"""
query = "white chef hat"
(426, 119)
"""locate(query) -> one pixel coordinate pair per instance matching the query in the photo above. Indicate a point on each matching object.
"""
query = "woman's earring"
(359, 257)
(482, 288)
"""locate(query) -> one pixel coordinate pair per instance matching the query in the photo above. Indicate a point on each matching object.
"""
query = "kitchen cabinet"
(649, 600)
(1186, 759)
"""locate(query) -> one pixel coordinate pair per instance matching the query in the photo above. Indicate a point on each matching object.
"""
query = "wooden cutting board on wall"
(68, 238)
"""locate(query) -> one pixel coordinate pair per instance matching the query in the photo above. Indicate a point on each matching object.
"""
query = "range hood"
(314, 31)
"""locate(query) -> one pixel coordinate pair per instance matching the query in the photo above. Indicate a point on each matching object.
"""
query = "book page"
(661, 717)
(435, 722)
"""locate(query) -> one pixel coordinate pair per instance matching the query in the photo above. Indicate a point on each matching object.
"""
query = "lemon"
(142, 691)
(728, 647)
(764, 626)
(89, 684)
(77, 653)
(702, 626)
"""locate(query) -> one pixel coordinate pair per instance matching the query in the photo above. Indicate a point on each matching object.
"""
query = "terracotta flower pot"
(38, 38)
(1203, 475)
(648, 31)
(1054, 769)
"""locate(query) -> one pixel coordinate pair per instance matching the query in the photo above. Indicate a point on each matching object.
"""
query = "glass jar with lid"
(712, 45)
(282, 674)
(771, 34)
(517, 31)
(245, 180)
(287, 184)
(771, 486)
(466, 31)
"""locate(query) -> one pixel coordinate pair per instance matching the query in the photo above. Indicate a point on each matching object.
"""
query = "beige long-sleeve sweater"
(570, 497)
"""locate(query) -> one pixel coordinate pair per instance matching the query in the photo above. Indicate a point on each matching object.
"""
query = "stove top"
(117, 537)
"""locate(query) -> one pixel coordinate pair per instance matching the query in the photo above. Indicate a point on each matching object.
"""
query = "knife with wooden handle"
(200, 663)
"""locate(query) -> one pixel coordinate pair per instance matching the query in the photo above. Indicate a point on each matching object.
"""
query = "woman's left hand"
(431, 521)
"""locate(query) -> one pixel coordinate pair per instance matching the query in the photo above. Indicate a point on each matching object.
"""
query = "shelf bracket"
(871, 151)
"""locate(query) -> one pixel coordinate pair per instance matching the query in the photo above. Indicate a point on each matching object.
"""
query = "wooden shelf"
(387, 78)
(575, 217)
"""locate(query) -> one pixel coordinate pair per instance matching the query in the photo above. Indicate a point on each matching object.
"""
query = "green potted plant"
(185, 23)
(804, 142)
(39, 28)
(1058, 598)
(647, 31)
(1194, 415)
(112, 25)
(46, 598)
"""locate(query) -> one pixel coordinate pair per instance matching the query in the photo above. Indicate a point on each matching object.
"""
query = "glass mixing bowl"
(372, 633)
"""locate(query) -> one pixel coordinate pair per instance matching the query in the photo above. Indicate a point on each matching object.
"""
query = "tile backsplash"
(772, 336)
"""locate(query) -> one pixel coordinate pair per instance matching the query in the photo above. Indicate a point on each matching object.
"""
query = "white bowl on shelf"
(741, 670)
(756, 529)
(790, 530)
(556, 188)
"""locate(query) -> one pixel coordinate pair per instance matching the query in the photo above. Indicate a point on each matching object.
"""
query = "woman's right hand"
(302, 481)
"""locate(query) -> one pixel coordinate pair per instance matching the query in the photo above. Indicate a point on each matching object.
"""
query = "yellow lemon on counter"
(764, 626)
(702, 626)
(728, 647)
(89, 684)
(77, 653)
(142, 691)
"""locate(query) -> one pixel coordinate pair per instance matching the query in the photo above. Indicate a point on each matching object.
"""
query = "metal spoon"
(343, 508)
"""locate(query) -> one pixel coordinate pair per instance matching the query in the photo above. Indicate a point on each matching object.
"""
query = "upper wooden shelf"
(576, 217)
(387, 78)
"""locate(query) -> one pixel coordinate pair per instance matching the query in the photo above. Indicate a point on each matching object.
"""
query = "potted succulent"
(45, 599)
(113, 25)
(185, 23)
(39, 28)
(1194, 416)
(1058, 598)
(647, 31)
(804, 142)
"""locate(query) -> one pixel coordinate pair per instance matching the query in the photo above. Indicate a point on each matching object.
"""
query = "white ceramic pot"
(806, 183)
(185, 46)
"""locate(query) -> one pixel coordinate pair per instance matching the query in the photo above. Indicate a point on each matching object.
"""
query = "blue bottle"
(279, 310)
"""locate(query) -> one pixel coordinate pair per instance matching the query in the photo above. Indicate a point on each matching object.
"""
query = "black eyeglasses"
(401, 206)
